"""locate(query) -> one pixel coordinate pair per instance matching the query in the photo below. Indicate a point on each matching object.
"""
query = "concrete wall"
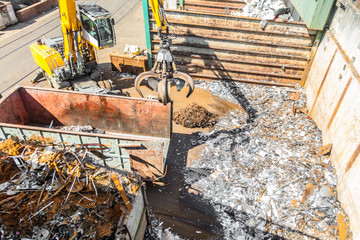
(333, 92)
(36, 9)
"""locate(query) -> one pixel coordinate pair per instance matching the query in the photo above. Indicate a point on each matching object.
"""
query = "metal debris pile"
(264, 9)
(56, 191)
(156, 231)
(87, 128)
(269, 176)
(123, 76)
(194, 116)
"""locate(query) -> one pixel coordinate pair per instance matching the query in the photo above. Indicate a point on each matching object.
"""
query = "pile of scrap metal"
(195, 115)
(58, 191)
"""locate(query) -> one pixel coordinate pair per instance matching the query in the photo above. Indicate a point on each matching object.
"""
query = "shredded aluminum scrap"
(264, 9)
(59, 191)
(156, 231)
(267, 180)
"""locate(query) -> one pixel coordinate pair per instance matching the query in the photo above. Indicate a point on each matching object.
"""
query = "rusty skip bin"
(137, 131)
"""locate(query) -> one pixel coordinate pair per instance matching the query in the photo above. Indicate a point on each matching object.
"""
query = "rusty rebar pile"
(194, 116)
(55, 191)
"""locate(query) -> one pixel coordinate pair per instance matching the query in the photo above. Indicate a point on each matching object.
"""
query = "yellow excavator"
(70, 61)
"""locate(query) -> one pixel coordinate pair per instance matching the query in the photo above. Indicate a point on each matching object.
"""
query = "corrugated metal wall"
(218, 46)
(333, 90)
(214, 6)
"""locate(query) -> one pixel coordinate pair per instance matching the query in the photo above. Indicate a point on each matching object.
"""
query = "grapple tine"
(141, 77)
(164, 91)
(188, 80)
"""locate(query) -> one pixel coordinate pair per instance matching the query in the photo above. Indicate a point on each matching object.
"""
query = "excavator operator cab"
(97, 25)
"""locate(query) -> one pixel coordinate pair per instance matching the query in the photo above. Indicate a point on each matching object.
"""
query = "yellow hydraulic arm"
(71, 30)
(69, 25)
(85, 27)
(158, 11)
(164, 73)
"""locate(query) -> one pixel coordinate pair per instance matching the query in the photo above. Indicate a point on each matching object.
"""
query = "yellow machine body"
(73, 55)
(47, 58)
(158, 11)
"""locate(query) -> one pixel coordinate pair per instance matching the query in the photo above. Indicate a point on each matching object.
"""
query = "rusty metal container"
(125, 63)
(137, 131)
(137, 220)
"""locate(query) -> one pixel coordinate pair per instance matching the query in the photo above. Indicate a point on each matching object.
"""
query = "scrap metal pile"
(57, 191)
(268, 175)
(194, 116)
(264, 9)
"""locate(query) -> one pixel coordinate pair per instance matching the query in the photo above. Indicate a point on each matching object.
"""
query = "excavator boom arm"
(157, 7)
(164, 74)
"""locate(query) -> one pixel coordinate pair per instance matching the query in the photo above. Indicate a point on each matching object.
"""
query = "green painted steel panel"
(147, 31)
(314, 12)
(2, 134)
(12, 132)
(30, 133)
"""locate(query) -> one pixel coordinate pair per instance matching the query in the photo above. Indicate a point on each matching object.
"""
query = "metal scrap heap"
(270, 177)
(57, 191)
(194, 116)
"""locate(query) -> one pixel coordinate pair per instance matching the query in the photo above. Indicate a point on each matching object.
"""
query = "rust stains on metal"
(345, 56)
(324, 150)
(311, 58)
(214, 6)
(148, 159)
(119, 186)
(245, 29)
(339, 102)
(139, 129)
(353, 159)
(125, 63)
(111, 113)
(323, 81)
(216, 46)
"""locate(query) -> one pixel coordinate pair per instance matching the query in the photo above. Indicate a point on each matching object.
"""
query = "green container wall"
(314, 12)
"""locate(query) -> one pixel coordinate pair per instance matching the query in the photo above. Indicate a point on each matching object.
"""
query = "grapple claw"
(141, 77)
(188, 81)
(164, 91)
(164, 84)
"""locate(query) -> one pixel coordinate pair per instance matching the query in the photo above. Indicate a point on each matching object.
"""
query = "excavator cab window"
(89, 26)
(105, 31)
(97, 25)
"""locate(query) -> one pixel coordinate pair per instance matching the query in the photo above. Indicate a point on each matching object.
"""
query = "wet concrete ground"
(186, 214)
